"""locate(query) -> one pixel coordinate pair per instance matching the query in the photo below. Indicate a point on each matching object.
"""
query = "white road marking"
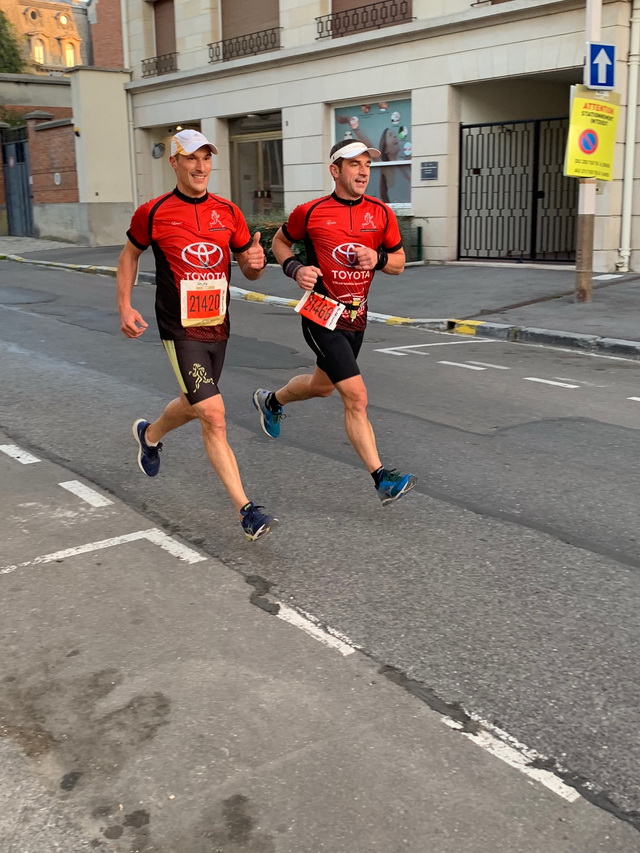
(607, 276)
(400, 350)
(486, 364)
(458, 364)
(311, 626)
(87, 494)
(550, 382)
(637, 399)
(154, 535)
(515, 755)
(18, 454)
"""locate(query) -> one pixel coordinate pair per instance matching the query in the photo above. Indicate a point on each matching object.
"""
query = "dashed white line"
(459, 364)
(550, 382)
(87, 494)
(636, 399)
(154, 535)
(309, 625)
(18, 454)
(515, 755)
(486, 364)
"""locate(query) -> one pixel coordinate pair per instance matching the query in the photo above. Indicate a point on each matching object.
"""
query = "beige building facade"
(467, 99)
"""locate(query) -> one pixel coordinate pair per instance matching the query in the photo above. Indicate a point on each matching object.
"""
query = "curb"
(593, 344)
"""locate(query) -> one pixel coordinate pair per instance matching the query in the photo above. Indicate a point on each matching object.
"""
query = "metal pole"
(587, 194)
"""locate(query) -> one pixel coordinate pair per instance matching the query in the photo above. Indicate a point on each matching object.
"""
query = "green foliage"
(11, 116)
(11, 61)
(267, 224)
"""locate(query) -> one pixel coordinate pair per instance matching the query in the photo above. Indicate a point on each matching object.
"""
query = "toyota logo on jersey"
(346, 254)
(204, 255)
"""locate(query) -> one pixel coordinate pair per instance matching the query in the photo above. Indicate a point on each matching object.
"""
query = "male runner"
(348, 236)
(192, 234)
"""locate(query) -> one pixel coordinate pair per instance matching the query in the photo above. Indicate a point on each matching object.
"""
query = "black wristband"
(383, 259)
(291, 266)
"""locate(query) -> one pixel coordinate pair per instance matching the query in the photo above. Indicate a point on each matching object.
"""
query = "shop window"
(385, 125)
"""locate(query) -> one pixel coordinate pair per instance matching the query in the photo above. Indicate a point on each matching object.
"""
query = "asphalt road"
(507, 583)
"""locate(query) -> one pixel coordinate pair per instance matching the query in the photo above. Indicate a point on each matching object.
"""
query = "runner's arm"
(304, 276)
(370, 259)
(131, 323)
(253, 261)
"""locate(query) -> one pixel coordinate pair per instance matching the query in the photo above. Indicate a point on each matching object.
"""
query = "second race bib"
(320, 309)
(203, 302)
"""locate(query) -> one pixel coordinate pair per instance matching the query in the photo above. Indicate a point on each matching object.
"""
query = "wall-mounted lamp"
(158, 150)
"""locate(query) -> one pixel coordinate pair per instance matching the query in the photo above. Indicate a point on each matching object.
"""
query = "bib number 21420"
(202, 302)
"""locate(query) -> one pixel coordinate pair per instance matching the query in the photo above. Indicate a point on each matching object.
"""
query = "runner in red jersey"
(193, 235)
(348, 236)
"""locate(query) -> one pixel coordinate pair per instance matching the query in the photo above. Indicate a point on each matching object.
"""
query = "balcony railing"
(157, 65)
(248, 45)
(373, 16)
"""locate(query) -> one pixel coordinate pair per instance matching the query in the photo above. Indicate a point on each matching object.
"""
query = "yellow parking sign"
(592, 134)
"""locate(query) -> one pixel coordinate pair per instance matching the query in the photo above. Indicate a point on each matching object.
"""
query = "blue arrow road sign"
(599, 72)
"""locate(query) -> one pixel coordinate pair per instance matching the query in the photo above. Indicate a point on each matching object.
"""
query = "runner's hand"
(131, 323)
(366, 258)
(306, 277)
(254, 258)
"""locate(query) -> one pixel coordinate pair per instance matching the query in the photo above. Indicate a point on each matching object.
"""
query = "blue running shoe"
(148, 456)
(269, 421)
(393, 485)
(255, 522)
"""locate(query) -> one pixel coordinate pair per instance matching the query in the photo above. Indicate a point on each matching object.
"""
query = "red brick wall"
(57, 112)
(106, 35)
(52, 150)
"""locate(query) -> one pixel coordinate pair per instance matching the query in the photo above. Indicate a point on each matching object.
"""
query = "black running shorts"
(336, 351)
(197, 366)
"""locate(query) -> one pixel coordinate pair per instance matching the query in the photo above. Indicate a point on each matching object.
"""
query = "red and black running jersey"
(331, 228)
(191, 238)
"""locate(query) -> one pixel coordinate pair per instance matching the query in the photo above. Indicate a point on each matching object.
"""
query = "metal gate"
(515, 203)
(15, 159)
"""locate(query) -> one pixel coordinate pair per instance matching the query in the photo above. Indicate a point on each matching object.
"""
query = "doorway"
(15, 160)
(515, 202)
(257, 184)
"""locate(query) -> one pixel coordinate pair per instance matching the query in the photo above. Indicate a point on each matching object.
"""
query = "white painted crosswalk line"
(18, 454)
(87, 494)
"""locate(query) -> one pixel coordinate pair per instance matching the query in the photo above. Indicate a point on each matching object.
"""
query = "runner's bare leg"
(221, 456)
(177, 413)
(305, 387)
(359, 430)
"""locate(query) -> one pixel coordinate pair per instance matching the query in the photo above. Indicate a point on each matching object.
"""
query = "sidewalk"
(514, 302)
(146, 704)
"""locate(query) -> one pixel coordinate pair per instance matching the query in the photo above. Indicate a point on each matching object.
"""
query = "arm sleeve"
(138, 231)
(294, 228)
(392, 240)
(241, 239)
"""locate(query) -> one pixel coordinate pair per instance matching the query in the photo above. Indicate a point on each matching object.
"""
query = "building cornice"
(477, 17)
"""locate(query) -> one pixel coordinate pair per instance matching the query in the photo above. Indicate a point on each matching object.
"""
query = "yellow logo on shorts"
(200, 375)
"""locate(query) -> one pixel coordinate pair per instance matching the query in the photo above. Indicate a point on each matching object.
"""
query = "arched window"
(37, 48)
(69, 54)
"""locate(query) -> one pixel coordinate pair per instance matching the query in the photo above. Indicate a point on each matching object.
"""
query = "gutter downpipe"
(124, 23)
(624, 253)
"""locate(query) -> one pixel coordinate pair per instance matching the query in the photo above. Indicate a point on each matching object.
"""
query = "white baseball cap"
(188, 141)
(349, 149)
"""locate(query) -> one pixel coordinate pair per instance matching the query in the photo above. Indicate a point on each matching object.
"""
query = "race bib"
(320, 309)
(202, 302)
